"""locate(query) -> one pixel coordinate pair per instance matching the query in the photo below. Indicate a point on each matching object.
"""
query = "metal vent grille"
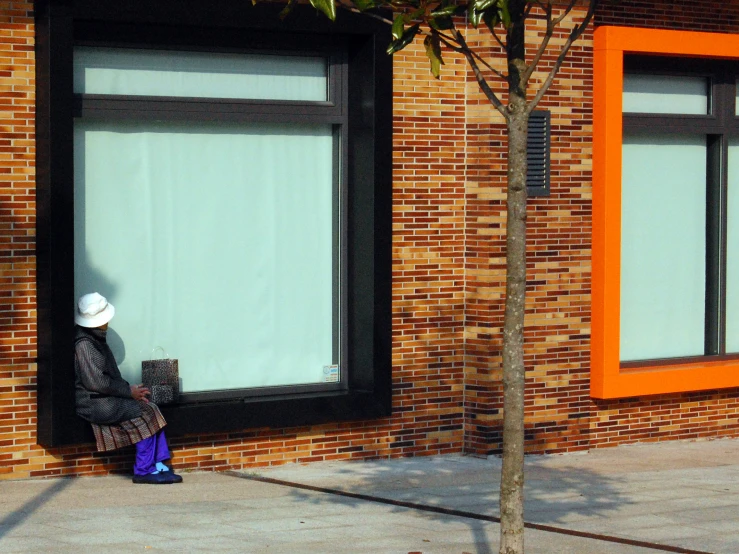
(537, 153)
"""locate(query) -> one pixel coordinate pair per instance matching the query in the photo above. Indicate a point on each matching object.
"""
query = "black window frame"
(332, 111)
(719, 125)
(362, 112)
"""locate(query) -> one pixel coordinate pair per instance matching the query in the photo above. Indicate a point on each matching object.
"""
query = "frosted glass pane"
(663, 238)
(199, 74)
(665, 94)
(214, 242)
(732, 251)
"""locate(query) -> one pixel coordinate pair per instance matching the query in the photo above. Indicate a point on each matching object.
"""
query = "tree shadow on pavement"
(19, 515)
(449, 489)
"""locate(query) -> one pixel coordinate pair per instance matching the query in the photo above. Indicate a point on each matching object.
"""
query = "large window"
(663, 245)
(678, 181)
(224, 179)
(666, 215)
(217, 241)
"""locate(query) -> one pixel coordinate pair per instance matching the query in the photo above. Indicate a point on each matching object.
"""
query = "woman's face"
(103, 327)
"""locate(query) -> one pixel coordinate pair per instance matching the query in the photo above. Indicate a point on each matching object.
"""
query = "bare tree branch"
(574, 35)
(543, 46)
(457, 43)
(378, 17)
(497, 38)
(487, 91)
(568, 9)
(448, 41)
(465, 51)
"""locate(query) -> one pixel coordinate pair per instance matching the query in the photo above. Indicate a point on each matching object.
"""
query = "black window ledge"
(258, 413)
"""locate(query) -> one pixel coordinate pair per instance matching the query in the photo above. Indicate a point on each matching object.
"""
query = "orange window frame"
(607, 378)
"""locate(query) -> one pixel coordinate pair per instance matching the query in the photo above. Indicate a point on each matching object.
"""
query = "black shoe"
(156, 479)
(171, 476)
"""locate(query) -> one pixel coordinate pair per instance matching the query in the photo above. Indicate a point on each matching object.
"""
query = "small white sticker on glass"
(331, 373)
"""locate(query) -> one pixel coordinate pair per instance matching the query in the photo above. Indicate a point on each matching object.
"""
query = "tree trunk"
(512, 475)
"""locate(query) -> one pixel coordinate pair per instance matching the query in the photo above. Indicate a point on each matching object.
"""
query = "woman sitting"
(120, 414)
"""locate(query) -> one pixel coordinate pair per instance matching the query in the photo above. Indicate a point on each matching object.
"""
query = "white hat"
(93, 310)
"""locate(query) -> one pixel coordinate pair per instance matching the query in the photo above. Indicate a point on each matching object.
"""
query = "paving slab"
(659, 498)
(677, 495)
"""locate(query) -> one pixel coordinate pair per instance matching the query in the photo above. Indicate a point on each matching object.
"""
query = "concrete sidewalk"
(672, 497)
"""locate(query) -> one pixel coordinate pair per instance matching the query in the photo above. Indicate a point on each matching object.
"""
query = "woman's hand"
(140, 392)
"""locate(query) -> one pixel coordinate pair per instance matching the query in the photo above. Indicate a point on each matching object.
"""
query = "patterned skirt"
(125, 433)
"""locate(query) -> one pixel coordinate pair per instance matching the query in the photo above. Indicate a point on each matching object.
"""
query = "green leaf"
(505, 15)
(491, 19)
(404, 3)
(482, 5)
(452, 9)
(433, 51)
(416, 14)
(491, 12)
(475, 15)
(408, 36)
(363, 5)
(398, 26)
(448, 10)
(442, 23)
(326, 6)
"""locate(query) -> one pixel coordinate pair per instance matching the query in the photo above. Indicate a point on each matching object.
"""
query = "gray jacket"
(102, 395)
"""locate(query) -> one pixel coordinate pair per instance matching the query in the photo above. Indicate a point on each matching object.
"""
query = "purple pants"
(149, 452)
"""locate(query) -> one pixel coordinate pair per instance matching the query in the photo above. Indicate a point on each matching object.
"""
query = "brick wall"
(17, 228)
(448, 280)
(713, 16)
(558, 269)
(560, 415)
(428, 290)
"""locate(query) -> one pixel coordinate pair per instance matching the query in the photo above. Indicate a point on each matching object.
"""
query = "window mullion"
(674, 124)
(715, 266)
(717, 180)
(724, 244)
(138, 106)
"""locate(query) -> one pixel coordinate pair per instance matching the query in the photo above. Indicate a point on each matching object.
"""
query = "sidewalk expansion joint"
(466, 514)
